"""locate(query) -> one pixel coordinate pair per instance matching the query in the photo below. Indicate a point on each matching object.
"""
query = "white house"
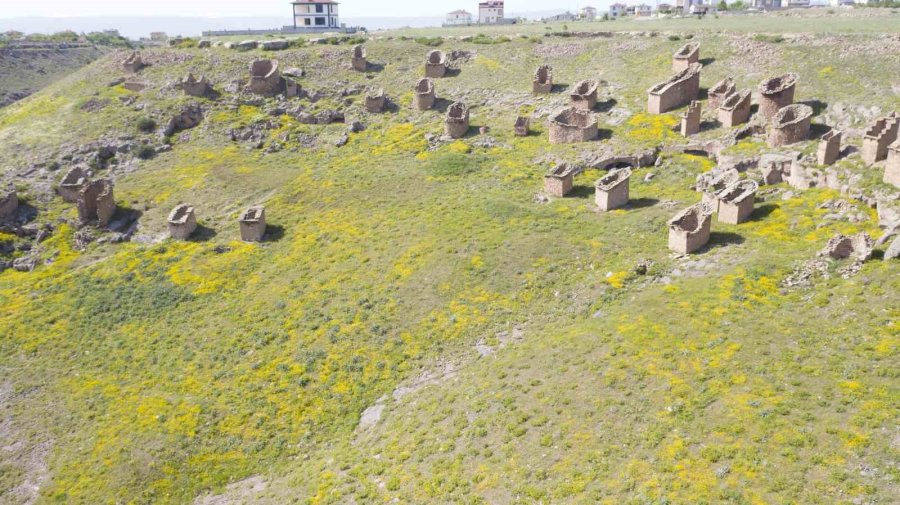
(588, 13)
(617, 10)
(458, 18)
(315, 14)
(490, 12)
(643, 10)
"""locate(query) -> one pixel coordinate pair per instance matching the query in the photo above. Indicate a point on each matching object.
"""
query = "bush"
(145, 152)
(774, 39)
(674, 37)
(146, 125)
(430, 41)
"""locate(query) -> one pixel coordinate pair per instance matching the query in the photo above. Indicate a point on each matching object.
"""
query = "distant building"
(588, 13)
(458, 18)
(617, 10)
(767, 4)
(798, 3)
(490, 12)
(565, 16)
(643, 10)
(158, 36)
(664, 8)
(315, 14)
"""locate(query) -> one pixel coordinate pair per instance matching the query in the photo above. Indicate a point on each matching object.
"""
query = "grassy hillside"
(517, 351)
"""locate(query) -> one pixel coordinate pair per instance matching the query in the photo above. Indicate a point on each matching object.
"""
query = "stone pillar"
(829, 148)
(690, 119)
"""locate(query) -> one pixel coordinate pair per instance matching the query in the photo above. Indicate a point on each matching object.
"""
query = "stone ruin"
(689, 229)
(135, 86)
(375, 101)
(265, 78)
(690, 119)
(857, 246)
(776, 168)
(133, 63)
(584, 95)
(877, 138)
(775, 94)
(572, 125)
(424, 97)
(435, 64)
(892, 167)
(717, 179)
(736, 201)
(253, 224)
(9, 205)
(182, 222)
(790, 125)
(559, 180)
(684, 57)
(829, 148)
(522, 126)
(717, 94)
(735, 109)
(456, 124)
(611, 190)
(190, 116)
(676, 91)
(543, 79)
(71, 184)
(96, 202)
(358, 60)
(195, 87)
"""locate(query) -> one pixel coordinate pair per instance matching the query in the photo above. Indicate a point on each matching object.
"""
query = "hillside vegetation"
(499, 348)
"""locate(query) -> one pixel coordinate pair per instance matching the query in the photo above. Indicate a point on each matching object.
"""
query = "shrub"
(145, 152)
(146, 125)
(430, 41)
(774, 39)
(674, 37)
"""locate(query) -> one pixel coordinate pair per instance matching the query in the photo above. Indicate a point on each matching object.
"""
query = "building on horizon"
(315, 14)
(617, 10)
(490, 12)
(458, 18)
(565, 16)
(588, 13)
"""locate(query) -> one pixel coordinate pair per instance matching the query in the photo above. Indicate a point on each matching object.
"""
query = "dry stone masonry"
(9, 204)
(424, 96)
(543, 79)
(776, 93)
(878, 137)
(456, 124)
(71, 184)
(790, 125)
(559, 180)
(892, 167)
(717, 93)
(689, 229)
(182, 222)
(96, 202)
(736, 202)
(611, 191)
(857, 246)
(253, 224)
(522, 125)
(735, 109)
(195, 87)
(676, 91)
(690, 120)
(375, 101)
(572, 125)
(265, 78)
(829, 148)
(776, 168)
(133, 63)
(584, 95)
(358, 61)
(684, 57)
(710, 183)
(435, 64)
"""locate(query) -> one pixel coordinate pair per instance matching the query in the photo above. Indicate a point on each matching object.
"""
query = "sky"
(247, 8)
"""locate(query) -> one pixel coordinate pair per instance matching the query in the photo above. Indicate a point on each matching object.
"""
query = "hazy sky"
(216, 8)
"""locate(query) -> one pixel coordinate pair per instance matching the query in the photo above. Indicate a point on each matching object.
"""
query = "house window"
(306, 21)
(320, 8)
(320, 21)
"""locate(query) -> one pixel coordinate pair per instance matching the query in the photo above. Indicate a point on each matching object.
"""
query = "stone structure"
(776, 168)
(857, 246)
(9, 205)
(265, 78)
(435, 64)
(375, 101)
(689, 229)
(584, 95)
(135, 86)
(682, 59)
(611, 191)
(195, 87)
(735, 109)
(877, 138)
(736, 201)
(358, 61)
(676, 91)
(710, 183)
(829, 148)
(133, 63)
(790, 125)
(182, 222)
(71, 184)
(690, 119)
(717, 93)
(522, 125)
(96, 202)
(892, 167)
(776, 93)
(190, 116)
(253, 224)
(560, 180)
(543, 79)
(456, 124)
(572, 125)
(424, 97)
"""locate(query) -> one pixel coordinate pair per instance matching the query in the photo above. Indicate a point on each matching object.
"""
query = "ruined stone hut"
(676, 91)
(611, 190)
(790, 125)
(572, 125)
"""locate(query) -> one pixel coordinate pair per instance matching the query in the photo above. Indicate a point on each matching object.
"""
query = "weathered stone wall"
(195, 87)
(572, 125)
(735, 203)
(375, 101)
(456, 124)
(892, 167)
(584, 95)
(878, 137)
(676, 91)
(611, 191)
(9, 205)
(96, 202)
(776, 93)
(829, 148)
(182, 222)
(253, 224)
(790, 125)
(522, 126)
(560, 180)
(71, 184)
(716, 94)
(735, 109)
(435, 64)
(424, 95)
(133, 63)
(265, 78)
(543, 79)
(689, 229)
(690, 119)
(358, 60)
(684, 57)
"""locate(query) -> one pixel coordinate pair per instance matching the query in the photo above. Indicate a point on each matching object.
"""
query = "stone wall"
(676, 91)
(543, 79)
(611, 191)
(192, 86)
(735, 109)
(456, 124)
(253, 224)
(133, 63)
(522, 126)
(71, 184)
(829, 148)
(265, 78)
(559, 180)
(690, 119)
(684, 57)
(878, 137)
(716, 94)
(790, 125)
(435, 64)
(689, 229)
(584, 95)
(424, 96)
(735, 203)
(9, 205)
(96, 202)
(892, 167)
(182, 222)
(776, 93)
(358, 60)
(572, 125)
(375, 101)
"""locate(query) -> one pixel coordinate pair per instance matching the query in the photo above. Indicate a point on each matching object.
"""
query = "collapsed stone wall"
(584, 95)
(572, 125)
(790, 125)
(878, 137)
(133, 63)
(716, 94)
(776, 93)
(676, 91)
(96, 202)
(192, 86)
(735, 109)
(684, 57)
